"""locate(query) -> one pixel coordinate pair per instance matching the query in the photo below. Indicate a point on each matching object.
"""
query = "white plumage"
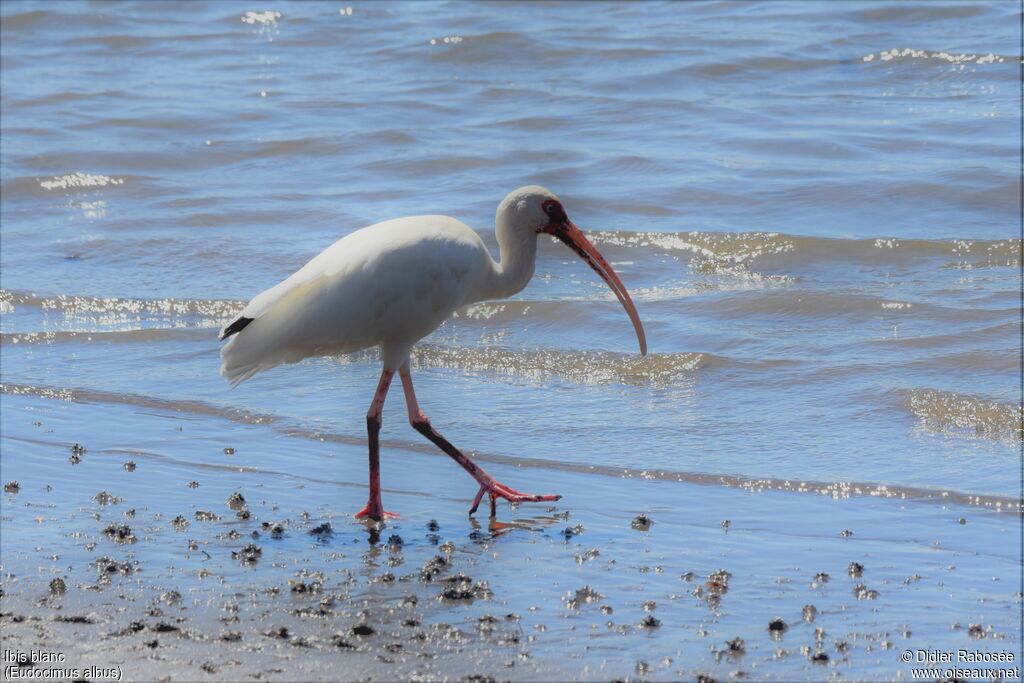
(390, 285)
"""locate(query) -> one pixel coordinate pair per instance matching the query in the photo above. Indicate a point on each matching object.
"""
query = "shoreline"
(721, 580)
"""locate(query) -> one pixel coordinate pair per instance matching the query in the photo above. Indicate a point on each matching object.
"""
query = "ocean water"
(815, 206)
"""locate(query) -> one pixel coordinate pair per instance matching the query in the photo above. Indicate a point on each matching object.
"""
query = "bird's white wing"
(393, 282)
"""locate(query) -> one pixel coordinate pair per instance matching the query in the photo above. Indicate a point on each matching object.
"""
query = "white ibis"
(390, 285)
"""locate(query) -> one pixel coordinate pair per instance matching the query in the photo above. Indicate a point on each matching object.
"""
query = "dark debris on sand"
(281, 633)
(300, 587)
(862, 592)
(583, 596)
(106, 565)
(718, 583)
(104, 498)
(650, 621)
(121, 533)
(76, 619)
(641, 523)
(339, 641)
(461, 587)
(736, 646)
(433, 567)
(250, 554)
(324, 529)
(275, 529)
(574, 530)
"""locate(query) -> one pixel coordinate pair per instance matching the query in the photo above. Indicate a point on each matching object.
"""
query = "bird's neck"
(518, 257)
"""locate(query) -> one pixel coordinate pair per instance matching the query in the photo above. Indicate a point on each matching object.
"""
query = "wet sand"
(181, 546)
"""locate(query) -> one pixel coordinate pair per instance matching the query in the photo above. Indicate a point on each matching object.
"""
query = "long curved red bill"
(574, 238)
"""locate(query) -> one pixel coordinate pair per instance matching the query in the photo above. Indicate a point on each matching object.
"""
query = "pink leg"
(374, 509)
(488, 485)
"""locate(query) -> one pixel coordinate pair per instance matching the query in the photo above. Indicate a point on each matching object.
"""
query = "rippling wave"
(965, 415)
(802, 253)
(581, 367)
(79, 305)
(814, 206)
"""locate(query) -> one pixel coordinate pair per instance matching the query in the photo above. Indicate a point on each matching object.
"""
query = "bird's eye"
(554, 211)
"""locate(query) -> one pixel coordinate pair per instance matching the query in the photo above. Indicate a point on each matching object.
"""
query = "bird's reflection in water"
(372, 556)
(496, 528)
(373, 530)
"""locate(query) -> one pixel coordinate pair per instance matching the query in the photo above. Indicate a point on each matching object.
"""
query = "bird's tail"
(276, 330)
(241, 358)
(236, 374)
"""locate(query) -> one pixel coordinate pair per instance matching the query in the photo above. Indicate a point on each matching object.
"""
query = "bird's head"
(538, 210)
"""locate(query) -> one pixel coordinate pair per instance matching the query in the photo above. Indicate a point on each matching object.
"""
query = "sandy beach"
(166, 574)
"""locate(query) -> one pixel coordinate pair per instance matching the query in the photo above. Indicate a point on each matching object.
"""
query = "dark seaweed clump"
(122, 533)
(641, 523)
(250, 554)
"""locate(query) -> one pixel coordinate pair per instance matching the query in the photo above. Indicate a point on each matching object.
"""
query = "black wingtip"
(235, 327)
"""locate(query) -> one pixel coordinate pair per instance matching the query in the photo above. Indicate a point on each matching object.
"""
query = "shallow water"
(938, 575)
(814, 205)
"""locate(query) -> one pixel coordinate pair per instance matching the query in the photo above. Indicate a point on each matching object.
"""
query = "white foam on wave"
(118, 310)
(447, 40)
(267, 18)
(953, 58)
(714, 254)
(79, 179)
(265, 24)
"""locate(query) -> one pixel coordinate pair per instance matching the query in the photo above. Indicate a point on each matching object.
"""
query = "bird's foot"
(498, 490)
(376, 512)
